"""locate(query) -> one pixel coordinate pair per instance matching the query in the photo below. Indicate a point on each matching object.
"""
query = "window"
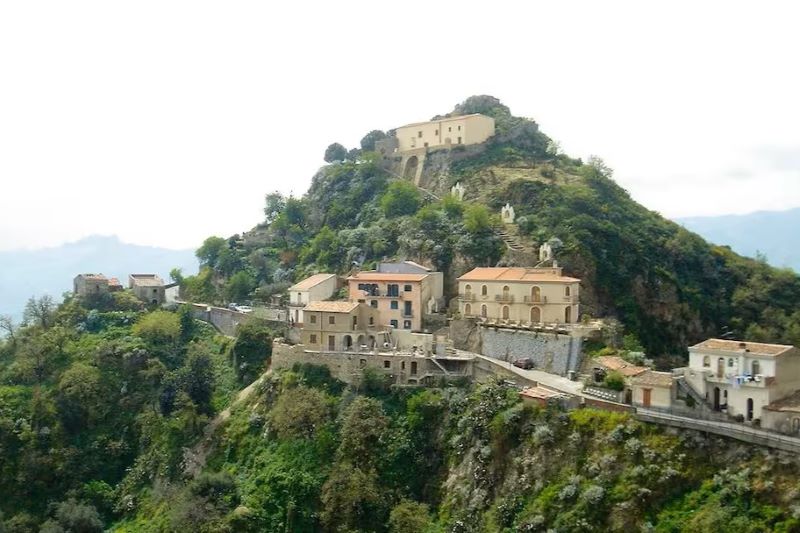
(313, 319)
(484, 290)
(393, 304)
(467, 309)
(407, 288)
(449, 128)
(459, 128)
(372, 321)
(393, 323)
(332, 319)
(426, 145)
(566, 290)
(387, 364)
(505, 312)
(407, 308)
(393, 290)
(406, 324)
(467, 289)
(419, 134)
(355, 322)
(483, 311)
(436, 132)
(706, 361)
(730, 362)
(312, 339)
(459, 140)
(374, 303)
(755, 368)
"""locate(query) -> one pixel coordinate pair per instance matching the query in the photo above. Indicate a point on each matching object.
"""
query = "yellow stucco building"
(522, 295)
(446, 132)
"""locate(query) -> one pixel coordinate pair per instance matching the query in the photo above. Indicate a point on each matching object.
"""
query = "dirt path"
(194, 458)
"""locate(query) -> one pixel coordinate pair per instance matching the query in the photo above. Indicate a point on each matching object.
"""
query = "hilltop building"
(312, 289)
(90, 285)
(743, 378)
(518, 294)
(149, 288)
(341, 326)
(401, 292)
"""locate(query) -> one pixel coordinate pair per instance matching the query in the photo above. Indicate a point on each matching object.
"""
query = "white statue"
(458, 191)
(545, 252)
(507, 214)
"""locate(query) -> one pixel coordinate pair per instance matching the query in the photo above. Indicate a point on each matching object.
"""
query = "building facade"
(400, 298)
(85, 285)
(445, 133)
(652, 389)
(149, 288)
(520, 295)
(312, 289)
(342, 327)
(743, 378)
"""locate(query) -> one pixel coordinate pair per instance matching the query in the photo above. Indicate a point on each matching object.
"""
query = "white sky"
(166, 122)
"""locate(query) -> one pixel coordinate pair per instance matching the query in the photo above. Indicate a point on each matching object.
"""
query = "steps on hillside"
(604, 394)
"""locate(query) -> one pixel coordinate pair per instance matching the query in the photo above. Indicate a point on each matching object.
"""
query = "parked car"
(244, 308)
(232, 306)
(525, 363)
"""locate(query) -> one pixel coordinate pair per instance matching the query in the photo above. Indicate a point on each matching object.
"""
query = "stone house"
(401, 298)
(342, 327)
(742, 378)
(149, 288)
(652, 389)
(312, 289)
(519, 295)
(85, 285)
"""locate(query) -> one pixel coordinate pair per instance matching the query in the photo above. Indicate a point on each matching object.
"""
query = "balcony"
(467, 297)
(571, 299)
(528, 299)
(758, 382)
(504, 298)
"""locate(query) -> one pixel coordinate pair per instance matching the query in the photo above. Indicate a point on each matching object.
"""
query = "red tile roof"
(516, 274)
(612, 362)
(756, 348)
(385, 276)
(331, 307)
(311, 281)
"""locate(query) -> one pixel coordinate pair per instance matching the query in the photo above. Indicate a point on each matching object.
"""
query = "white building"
(743, 378)
(315, 288)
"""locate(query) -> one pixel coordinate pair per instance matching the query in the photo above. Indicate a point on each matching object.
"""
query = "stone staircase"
(603, 394)
(688, 390)
(512, 241)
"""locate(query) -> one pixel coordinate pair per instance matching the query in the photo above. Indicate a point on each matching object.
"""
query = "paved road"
(545, 379)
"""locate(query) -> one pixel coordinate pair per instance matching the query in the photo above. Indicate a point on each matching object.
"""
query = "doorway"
(716, 398)
(646, 397)
(749, 409)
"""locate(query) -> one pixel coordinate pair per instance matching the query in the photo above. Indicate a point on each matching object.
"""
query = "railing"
(504, 298)
(467, 297)
(571, 299)
(528, 299)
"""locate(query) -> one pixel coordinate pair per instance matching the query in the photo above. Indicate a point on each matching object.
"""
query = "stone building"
(85, 285)
(442, 133)
(520, 295)
(401, 292)
(652, 389)
(742, 378)
(342, 327)
(149, 288)
(312, 289)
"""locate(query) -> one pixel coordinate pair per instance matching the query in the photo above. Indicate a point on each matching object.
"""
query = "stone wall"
(227, 321)
(553, 353)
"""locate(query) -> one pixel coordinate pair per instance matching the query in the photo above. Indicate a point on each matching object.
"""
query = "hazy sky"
(166, 122)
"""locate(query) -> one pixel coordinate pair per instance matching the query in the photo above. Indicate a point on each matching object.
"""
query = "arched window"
(706, 361)
(467, 289)
(484, 290)
(755, 368)
(505, 312)
(468, 309)
(536, 315)
(505, 291)
(483, 311)
(536, 294)
(568, 315)
(567, 290)
(730, 362)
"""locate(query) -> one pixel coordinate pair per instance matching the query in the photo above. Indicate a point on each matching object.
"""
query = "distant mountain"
(24, 273)
(772, 233)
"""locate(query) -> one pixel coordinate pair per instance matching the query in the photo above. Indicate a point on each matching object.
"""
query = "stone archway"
(536, 315)
(348, 342)
(410, 170)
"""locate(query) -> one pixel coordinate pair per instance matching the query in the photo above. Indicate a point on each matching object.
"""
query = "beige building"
(401, 298)
(445, 133)
(520, 295)
(743, 378)
(312, 289)
(149, 288)
(90, 285)
(342, 327)
(652, 389)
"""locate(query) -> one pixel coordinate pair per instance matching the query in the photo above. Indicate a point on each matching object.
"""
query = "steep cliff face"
(308, 455)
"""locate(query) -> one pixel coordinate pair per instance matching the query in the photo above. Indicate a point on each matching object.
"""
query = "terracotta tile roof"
(114, 282)
(516, 274)
(331, 307)
(311, 281)
(757, 348)
(653, 379)
(447, 119)
(612, 362)
(790, 404)
(146, 280)
(385, 276)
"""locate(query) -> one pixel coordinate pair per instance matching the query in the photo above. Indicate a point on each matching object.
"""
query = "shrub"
(614, 381)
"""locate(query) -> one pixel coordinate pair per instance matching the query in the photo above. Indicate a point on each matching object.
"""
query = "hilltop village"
(522, 323)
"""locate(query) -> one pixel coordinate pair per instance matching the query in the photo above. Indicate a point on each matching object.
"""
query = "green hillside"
(665, 284)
